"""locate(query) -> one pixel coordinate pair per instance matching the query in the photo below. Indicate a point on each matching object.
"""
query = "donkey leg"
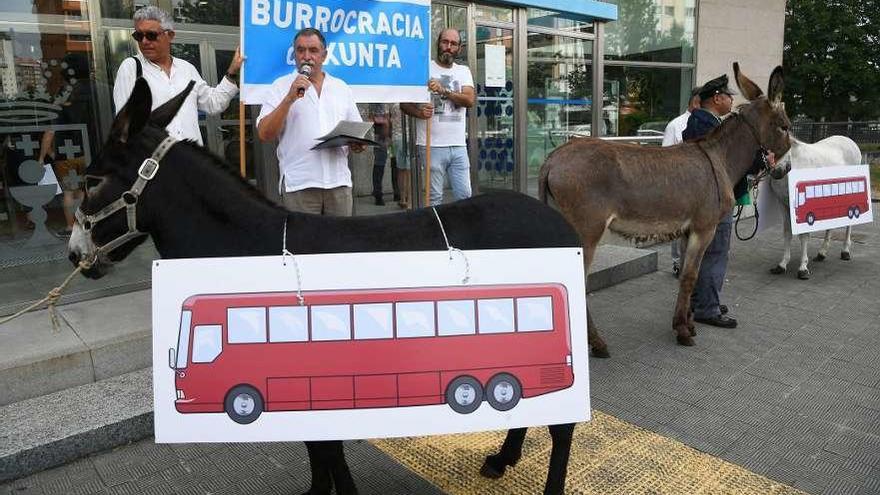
(561, 435)
(339, 469)
(804, 269)
(510, 453)
(322, 484)
(786, 253)
(594, 339)
(682, 320)
(847, 244)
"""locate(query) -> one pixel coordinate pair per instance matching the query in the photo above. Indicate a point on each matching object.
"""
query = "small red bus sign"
(348, 349)
(827, 199)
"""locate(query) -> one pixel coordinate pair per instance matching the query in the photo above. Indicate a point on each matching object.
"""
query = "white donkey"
(831, 151)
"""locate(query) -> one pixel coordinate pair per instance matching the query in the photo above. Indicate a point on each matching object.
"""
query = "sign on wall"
(381, 48)
(828, 198)
(368, 345)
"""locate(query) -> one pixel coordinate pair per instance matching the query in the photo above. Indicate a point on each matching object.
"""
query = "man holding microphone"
(300, 108)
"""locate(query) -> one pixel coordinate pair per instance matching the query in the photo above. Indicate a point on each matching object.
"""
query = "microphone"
(306, 70)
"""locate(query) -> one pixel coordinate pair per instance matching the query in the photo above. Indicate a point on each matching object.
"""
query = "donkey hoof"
(600, 352)
(685, 340)
(804, 274)
(845, 256)
(819, 257)
(490, 471)
(777, 270)
(692, 330)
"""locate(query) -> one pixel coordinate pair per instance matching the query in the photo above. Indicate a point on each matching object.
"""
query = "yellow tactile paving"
(609, 456)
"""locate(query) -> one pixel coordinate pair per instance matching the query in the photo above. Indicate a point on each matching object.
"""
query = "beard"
(446, 58)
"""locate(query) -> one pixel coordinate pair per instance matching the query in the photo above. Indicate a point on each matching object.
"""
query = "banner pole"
(242, 146)
(428, 162)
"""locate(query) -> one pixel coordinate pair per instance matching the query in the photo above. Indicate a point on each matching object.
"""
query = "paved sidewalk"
(792, 394)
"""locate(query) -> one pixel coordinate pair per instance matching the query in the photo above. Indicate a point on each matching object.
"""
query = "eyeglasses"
(149, 35)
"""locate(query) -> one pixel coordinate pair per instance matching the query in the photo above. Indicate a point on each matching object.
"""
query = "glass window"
(246, 325)
(826, 190)
(183, 338)
(559, 21)
(372, 321)
(640, 101)
(331, 322)
(835, 189)
(216, 12)
(645, 33)
(289, 324)
(560, 96)
(27, 10)
(861, 187)
(500, 14)
(495, 98)
(811, 192)
(534, 314)
(449, 16)
(455, 318)
(415, 319)
(849, 188)
(207, 343)
(496, 315)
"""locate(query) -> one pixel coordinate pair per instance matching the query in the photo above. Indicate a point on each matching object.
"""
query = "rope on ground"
(51, 298)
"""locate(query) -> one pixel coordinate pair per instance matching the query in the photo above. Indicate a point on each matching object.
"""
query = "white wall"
(750, 32)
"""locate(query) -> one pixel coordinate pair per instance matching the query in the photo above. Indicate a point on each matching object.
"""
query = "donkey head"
(105, 229)
(765, 114)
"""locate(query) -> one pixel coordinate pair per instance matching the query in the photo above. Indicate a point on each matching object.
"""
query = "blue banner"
(381, 48)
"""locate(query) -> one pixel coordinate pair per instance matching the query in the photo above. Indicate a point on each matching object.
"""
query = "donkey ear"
(749, 89)
(133, 116)
(774, 89)
(163, 115)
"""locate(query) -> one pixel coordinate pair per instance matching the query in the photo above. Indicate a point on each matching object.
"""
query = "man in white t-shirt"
(671, 137)
(298, 111)
(453, 84)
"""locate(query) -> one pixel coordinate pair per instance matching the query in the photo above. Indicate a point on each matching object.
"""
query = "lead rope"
(451, 250)
(52, 299)
(284, 254)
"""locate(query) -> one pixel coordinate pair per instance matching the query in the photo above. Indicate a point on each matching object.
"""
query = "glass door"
(493, 76)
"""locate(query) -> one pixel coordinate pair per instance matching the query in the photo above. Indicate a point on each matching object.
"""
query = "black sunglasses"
(150, 35)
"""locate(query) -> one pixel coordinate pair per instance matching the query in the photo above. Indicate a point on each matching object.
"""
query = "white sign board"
(380, 345)
(496, 74)
(829, 198)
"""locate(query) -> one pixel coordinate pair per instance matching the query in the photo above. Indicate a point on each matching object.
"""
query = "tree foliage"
(831, 57)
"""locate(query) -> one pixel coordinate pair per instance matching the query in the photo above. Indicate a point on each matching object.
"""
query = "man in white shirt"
(299, 110)
(167, 76)
(454, 85)
(671, 137)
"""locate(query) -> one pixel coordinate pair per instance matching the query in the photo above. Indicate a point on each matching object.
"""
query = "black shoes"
(379, 201)
(722, 321)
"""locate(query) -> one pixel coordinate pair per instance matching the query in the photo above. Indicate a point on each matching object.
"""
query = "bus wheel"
(464, 394)
(850, 212)
(811, 218)
(244, 404)
(503, 392)
(856, 212)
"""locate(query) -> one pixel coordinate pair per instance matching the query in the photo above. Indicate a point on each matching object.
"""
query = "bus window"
(331, 322)
(372, 321)
(455, 318)
(246, 325)
(495, 315)
(207, 343)
(835, 189)
(861, 187)
(849, 188)
(826, 190)
(415, 319)
(183, 338)
(288, 324)
(811, 192)
(534, 314)
(801, 199)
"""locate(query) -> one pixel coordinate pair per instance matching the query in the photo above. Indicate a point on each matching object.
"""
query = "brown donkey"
(662, 193)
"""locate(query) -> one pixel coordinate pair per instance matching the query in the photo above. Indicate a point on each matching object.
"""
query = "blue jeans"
(705, 300)
(451, 161)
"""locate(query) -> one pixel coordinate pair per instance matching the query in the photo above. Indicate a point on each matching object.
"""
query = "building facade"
(545, 71)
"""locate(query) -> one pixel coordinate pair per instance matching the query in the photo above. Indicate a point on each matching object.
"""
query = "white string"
(284, 254)
(451, 250)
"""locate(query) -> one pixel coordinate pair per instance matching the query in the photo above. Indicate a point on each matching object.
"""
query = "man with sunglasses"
(167, 76)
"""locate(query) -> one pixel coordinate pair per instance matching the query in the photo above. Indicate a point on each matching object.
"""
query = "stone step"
(54, 429)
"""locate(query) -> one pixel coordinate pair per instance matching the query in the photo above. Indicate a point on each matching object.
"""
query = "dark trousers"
(380, 155)
(705, 300)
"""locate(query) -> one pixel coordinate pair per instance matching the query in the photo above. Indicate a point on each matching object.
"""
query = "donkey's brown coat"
(661, 193)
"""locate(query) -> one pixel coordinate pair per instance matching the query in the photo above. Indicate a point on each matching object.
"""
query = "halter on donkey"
(184, 198)
(651, 193)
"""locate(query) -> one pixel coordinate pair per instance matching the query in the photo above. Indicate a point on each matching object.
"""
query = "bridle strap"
(127, 200)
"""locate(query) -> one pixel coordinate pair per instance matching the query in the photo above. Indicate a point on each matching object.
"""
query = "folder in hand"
(346, 133)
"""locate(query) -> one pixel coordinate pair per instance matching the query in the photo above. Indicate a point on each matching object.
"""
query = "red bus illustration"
(348, 349)
(831, 198)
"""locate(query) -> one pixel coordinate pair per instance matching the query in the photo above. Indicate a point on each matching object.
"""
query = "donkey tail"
(544, 192)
